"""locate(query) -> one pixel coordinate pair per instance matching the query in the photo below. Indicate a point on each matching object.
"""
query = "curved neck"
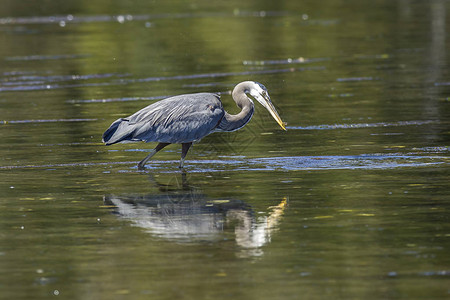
(231, 122)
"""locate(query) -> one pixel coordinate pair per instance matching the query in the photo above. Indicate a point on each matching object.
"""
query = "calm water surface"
(351, 202)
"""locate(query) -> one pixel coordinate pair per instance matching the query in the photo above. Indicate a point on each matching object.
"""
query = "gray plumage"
(185, 119)
(167, 121)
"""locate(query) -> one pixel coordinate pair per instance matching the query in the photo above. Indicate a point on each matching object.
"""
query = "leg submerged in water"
(184, 150)
(141, 164)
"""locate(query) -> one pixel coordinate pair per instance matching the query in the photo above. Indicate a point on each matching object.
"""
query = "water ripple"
(35, 82)
(45, 121)
(300, 60)
(364, 161)
(126, 99)
(364, 125)
(350, 79)
(442, 83)
(286, 163)
(225, 74)
(45, 57)
(65, 165)
(57, 78)
(123, 99)
(22, 88)
(67, 19)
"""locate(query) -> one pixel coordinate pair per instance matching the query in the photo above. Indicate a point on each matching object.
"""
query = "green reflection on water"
(350, 202)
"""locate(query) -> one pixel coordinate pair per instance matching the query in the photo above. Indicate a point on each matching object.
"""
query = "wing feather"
(178, 119)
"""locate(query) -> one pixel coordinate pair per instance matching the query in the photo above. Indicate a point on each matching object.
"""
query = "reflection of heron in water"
(185, 119)
(191, 216)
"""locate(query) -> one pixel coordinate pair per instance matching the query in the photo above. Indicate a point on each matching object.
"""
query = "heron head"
(260, 93)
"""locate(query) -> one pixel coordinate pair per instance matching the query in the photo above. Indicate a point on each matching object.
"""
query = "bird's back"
(178, 119)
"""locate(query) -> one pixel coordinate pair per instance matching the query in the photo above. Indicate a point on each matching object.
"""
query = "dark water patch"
(45, 121)
(364, 125)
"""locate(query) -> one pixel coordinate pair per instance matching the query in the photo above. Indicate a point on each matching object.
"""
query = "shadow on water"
(182, 213)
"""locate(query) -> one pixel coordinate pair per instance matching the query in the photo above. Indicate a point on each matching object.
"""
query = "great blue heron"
(185, 119)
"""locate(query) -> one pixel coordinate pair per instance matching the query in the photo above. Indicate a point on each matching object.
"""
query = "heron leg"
(141, 164)
(184, 150)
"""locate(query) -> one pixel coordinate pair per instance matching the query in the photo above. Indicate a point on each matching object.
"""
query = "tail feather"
(116, 133)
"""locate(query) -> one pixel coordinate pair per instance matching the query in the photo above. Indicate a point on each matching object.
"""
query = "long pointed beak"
(274, 112)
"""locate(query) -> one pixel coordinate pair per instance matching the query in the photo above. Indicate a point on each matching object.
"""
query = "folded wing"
(179, 119)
